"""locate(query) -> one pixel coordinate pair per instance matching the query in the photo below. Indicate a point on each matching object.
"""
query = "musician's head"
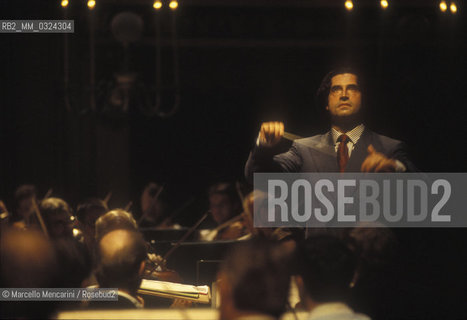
(25, 196)
(374, 247)
(325, 269)
(113, 220)
(121, 255)
(88, 212)
(340, 95)
(254, 280)
(224, 202)
(57, 217)
(27, 260)
(154, 203)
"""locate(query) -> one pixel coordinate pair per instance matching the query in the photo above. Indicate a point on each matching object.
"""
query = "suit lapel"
(326, 158)
(360, 152)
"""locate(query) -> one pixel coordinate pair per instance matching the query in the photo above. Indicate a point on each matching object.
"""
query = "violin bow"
(178, 243)
(39, 217)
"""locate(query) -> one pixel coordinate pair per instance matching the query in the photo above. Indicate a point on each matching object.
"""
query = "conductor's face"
(344, 100)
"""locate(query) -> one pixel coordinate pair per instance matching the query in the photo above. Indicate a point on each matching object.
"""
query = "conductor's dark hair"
(259, 275)
(119, 260)
(323, 91)
(327, 267)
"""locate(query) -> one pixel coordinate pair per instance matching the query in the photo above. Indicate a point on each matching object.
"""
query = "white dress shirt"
(354, 135)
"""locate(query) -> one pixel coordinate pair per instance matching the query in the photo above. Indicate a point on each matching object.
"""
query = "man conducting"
(349, 146)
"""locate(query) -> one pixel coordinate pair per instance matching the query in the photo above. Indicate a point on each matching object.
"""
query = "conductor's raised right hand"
(271, 133)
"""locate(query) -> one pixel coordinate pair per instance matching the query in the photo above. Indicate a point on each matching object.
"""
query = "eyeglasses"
(351, 89)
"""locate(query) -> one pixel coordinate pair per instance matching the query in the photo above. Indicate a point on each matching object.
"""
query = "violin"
(156, 269)
(230, 230)
(157, 265)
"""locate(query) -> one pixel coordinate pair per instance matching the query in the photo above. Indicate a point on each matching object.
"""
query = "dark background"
(240, 63)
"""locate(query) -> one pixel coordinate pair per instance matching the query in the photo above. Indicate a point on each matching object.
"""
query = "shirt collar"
(353, 134)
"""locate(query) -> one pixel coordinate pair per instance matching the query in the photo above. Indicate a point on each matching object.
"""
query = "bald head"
(119, 243)
(121, 253)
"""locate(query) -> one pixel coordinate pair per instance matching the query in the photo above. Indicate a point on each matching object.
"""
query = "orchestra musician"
(57, 217)
(119, 219)
(87, 213)
(121, 259)
(23, 212)
(225, 208)
(154, 208)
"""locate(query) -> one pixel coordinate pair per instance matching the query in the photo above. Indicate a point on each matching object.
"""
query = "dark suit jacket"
(317, 154)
